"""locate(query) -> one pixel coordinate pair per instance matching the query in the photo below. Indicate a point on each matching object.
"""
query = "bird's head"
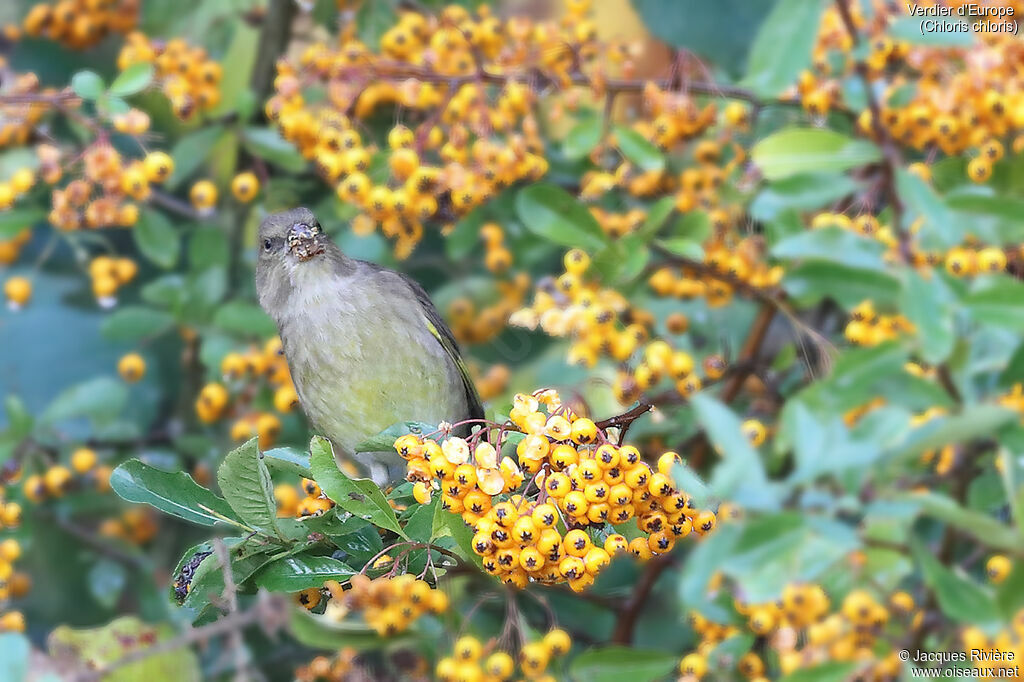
(291, 236)
(294, 253)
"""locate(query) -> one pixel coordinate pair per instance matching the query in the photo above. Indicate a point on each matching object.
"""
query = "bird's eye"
(267, 245)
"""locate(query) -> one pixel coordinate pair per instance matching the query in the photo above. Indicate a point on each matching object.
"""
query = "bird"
(365, 345)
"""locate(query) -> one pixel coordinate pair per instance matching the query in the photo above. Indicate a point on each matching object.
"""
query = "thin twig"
(271, 611)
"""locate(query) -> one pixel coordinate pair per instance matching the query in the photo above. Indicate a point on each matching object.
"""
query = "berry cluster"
(470, 81)
(137, 525)
(305, 500)
(868, 328)
(243, 374)
(110, 184)
(389, 605)
(189, 78)
(471, 659)
(13, 584)
(801, 632)
(966, 260)
(583, 483)
(83, 472)
(474, 322)
(108, 274)
(80, 24)
(1009, 640)
(957, 106)
(602, 323)
(337, 668)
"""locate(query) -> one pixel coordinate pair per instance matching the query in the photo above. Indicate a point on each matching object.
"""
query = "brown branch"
(626, 418)
(630, 611)
(393, 70)
(751, 349)
(56, 99)
(892, 159)
(275, 35)
(92, 540)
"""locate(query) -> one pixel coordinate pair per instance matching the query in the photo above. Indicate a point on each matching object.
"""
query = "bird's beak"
(305, 241)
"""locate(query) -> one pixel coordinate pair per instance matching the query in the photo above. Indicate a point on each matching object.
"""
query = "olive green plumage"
(366, 346)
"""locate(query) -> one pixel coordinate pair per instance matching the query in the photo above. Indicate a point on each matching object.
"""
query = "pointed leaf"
(173, 493)
(300, 572)
(358, 496)
(554, 214)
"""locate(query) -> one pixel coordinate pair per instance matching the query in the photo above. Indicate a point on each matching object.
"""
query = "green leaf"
(812, 281)
(207, 248)
(100, 399)
(239, 59)
(554, 214)
(288, 459)
(783, 46)
(622, 261)
(106, 582)
(927, 304)
(639, 150)
(268, 144)
(156, 238)
(447, 524)
(135, 78)
(657, 214)
(833, 671)
(173, 493)
(190, 152)
(358, 496)
(300, 572)
(134, 323)
(960, 598)
(984, 528)
(833, 245)
(582, 138)
(385, 440)
(801, 192)
(87, 85)
(721, 32)
(244, 319)
(997, 300)
(616, 663)
(1007, 208)
(806, 150)
(778, 549)
(14, 653)
(912, 30)
(815, 436)
(319, 632)
(682, 246)
(975, 421)
(14, 220)
(939, 227)
(245, 483)
(19, 419)
(740, 475)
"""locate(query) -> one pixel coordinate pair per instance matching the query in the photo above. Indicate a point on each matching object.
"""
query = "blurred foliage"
(782, 238)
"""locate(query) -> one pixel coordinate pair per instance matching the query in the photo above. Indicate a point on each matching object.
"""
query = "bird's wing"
(444, 336)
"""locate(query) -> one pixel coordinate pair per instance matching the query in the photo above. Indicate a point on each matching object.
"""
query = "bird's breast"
(363, 359)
